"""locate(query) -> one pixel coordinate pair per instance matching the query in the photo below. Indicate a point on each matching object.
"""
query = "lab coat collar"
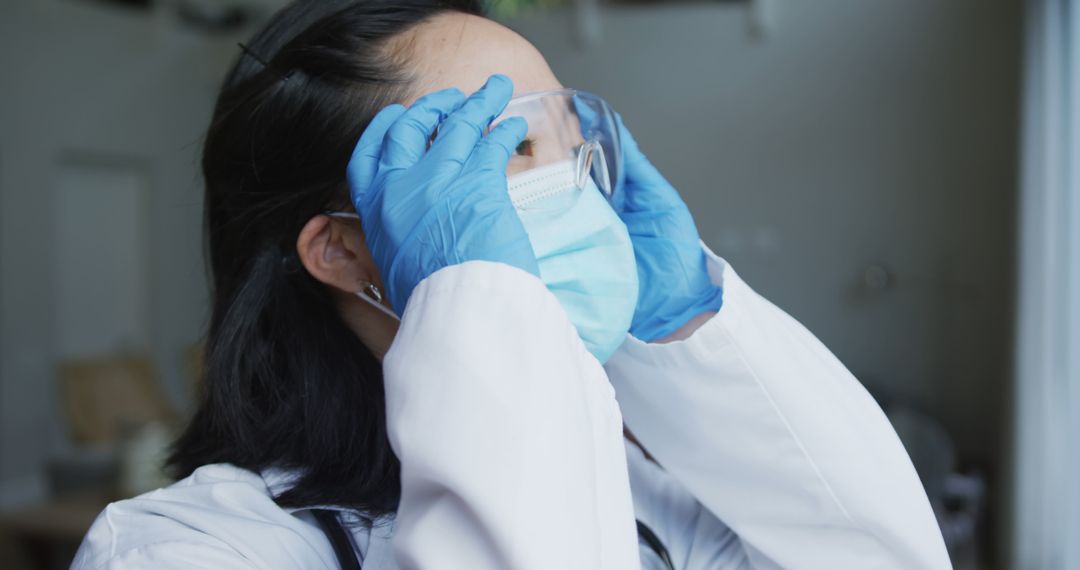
(373, 542)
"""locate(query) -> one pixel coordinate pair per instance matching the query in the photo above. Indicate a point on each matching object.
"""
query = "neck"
(374, 328)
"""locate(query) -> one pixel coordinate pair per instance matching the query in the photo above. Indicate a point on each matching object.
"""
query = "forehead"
(460, 50)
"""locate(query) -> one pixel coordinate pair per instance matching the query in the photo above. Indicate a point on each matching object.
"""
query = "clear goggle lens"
(567, 124)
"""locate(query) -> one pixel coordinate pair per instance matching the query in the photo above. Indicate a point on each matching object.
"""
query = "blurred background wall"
(855, 161)
(109, 97)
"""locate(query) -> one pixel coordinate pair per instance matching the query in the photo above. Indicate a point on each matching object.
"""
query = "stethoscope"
(346, 556)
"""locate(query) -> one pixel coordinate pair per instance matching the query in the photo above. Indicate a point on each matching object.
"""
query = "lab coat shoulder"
(760, 422)
(219, 517)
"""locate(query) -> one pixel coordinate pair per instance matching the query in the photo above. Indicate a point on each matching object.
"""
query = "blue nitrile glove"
(674, 285)
(423, 208)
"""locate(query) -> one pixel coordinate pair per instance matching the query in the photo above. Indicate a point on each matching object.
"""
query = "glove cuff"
(668, 320)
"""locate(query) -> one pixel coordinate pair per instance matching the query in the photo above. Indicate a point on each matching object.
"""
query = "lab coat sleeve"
(758, 420)
(508, 432)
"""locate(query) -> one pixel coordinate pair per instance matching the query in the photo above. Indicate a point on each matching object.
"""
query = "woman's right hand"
(424, 208)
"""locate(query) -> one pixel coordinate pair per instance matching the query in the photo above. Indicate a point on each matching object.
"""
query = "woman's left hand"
(674, 285)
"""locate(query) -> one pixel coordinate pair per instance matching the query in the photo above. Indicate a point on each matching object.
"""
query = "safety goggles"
(567, 124)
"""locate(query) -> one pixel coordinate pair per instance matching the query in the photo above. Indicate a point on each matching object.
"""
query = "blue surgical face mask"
(584, 251)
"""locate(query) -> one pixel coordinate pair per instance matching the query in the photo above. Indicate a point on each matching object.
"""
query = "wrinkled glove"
(674, 283)
(424, 208)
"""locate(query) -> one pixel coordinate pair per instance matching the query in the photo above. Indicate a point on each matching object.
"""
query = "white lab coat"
(512, 452)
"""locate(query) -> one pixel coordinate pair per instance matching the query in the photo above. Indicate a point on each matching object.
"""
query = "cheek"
(519, 164)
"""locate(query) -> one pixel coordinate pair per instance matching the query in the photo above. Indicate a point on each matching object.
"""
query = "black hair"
(286, 383)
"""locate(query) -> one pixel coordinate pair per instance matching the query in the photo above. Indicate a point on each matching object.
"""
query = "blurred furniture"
(106, 397)
(957, 498)
(47, 536)
(116, 414)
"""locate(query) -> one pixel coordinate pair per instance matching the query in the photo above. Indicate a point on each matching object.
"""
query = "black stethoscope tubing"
(645, 533)
(346, 556)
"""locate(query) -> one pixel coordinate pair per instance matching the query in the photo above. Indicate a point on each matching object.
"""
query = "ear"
(334, 252)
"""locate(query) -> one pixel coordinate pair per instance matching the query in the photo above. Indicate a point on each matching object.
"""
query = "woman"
(482, 430)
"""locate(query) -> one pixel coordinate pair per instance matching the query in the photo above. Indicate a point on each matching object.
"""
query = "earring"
(371, 294)
(372, 291)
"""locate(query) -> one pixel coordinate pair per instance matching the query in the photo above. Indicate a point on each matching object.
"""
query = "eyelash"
(525, 147)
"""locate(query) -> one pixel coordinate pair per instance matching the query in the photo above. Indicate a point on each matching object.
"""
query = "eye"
(525, 147)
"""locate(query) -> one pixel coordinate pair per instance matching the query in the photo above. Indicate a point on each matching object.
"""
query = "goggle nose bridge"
(591, 155)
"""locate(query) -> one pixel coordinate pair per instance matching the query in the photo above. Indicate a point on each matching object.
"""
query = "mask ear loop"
(603, 174)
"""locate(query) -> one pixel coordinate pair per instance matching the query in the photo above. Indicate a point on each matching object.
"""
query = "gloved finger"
(365, 156)
(463, 128)
(588, 118)
(645, 187)
(493, 152)
(631, 152)
(408, 137)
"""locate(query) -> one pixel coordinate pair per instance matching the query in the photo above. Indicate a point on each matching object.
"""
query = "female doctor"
(508, 419)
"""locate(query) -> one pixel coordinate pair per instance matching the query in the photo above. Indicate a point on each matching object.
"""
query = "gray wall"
(852, 134)
(112, 86)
